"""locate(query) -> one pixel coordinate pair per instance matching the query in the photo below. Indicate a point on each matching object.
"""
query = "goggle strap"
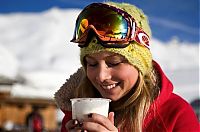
(133, 31)
(141, 37)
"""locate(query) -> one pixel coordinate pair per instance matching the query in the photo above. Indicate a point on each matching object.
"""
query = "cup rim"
(90, 99)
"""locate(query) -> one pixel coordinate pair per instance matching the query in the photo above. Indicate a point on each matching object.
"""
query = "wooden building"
(14, 110)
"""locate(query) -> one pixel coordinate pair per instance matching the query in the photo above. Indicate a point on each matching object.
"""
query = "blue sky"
(168, 18)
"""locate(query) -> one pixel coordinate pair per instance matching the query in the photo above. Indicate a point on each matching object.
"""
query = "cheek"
(129, 75)
(90, 74)
(133, 77)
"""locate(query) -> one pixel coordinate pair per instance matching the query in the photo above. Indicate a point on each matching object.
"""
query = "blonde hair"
(130, 111)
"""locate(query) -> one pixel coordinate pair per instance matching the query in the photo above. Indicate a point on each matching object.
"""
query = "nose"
(103, 73)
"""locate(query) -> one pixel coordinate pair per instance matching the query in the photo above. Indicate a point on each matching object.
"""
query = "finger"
(93, 127)
(77, 129)
(71, 124)
(111, 117)
(101, 120)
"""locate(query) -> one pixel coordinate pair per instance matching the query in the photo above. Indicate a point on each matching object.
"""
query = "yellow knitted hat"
(137, 55)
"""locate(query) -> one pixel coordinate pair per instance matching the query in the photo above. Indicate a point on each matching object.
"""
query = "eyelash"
(108, 64)
(113, 64)
(92, 65)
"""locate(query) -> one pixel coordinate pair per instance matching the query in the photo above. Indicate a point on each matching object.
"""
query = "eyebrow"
(119, 57)
(89, 57)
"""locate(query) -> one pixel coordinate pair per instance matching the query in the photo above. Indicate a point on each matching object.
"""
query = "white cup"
(82, 107)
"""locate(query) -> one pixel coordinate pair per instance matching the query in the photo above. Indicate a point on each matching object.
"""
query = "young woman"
(118, 65)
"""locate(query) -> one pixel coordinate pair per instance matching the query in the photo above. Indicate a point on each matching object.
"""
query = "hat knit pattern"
(137, 55)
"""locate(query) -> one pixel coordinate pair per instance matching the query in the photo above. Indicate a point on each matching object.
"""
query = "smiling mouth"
(110, 86)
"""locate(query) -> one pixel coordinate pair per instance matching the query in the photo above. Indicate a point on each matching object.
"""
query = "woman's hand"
(94, 123)
(73, 126)
(99, 123)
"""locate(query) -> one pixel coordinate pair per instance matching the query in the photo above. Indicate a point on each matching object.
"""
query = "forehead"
(104, 55)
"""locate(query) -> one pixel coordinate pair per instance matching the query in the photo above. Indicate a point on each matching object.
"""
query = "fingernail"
(80, 124)
(75, 122)
(90, 115)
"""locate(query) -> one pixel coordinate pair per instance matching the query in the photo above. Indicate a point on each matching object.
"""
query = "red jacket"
(172, 114)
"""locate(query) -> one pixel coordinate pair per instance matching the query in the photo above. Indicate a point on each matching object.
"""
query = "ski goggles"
(112, 26)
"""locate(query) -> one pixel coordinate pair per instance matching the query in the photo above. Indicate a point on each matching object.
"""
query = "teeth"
(109, 86)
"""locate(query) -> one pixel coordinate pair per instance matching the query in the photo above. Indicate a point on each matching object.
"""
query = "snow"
(36, 47)
(8, 59)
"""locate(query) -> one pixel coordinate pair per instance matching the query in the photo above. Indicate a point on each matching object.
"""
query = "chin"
(111, 98)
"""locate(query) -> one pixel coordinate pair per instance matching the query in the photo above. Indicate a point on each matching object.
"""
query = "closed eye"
(92, 64)
(113, 64)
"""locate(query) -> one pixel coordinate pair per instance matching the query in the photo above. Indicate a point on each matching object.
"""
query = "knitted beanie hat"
(136, 54)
